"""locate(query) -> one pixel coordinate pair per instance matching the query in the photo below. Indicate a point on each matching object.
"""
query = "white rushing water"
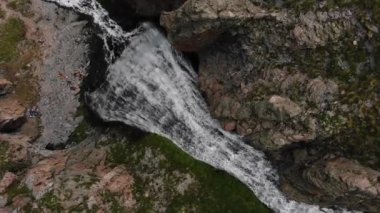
(151, 87)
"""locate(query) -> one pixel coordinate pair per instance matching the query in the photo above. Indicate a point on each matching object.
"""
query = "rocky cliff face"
(291, 75)
(152, 8)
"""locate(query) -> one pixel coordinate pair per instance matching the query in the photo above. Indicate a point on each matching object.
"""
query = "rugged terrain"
(56, 156)
(298, 80)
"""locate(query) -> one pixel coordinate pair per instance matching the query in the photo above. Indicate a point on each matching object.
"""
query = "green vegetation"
(80, 133)
(5, 164)
(16, 55)
(212, 191)
(16, 190)
(50, 201)
(115, 207)
(21, 6)
(360, 135)
(12, 31)
(4, 146)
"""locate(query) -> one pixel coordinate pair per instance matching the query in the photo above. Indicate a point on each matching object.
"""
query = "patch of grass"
(12, 32)
(80, 133)
(50, 201)
(115, 207)
(215, 190)
(21, 6)
(16, 190)
(5, 164)
(16, 55)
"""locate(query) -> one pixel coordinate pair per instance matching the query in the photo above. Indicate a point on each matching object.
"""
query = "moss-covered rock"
(167, 179)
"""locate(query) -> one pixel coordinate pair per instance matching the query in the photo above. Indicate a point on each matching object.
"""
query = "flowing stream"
(151, 87)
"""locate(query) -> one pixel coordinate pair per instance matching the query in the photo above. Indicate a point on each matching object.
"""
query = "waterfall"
(151, 87)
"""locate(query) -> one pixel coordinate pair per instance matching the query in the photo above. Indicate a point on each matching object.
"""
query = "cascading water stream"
(151, 87)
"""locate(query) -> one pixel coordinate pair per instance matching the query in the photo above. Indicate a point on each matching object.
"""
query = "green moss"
(80, 133)
(332, 124)
(360, 138)
(21, 6)
(5, 164)
(16, 54)
(12, 31)
(214, 190)
(117, 153)
(115, 206)
(82, 207)
(17, 190)
(50, 201)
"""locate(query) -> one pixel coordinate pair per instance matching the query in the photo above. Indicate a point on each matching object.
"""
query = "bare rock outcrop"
(290, 77)
(12, 114)
(8, 179)
(198, 23)
(354, 175)
(40, 178)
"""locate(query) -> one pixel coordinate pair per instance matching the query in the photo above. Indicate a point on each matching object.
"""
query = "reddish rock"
(118, 181)
(20, 202)
(197, 24)
(230, 126)
(8, 179)
(354, 175)
(12, 115)
(40, 179)
(6, 210)
(285, 105)
(18, 147)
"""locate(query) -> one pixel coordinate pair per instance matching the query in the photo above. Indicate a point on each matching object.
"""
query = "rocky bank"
(298, 80)
(56, 156)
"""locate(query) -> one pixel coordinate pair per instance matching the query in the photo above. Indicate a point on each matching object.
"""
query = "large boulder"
(198, 23)
(40, 178)
(12, 115)
(354, 175)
